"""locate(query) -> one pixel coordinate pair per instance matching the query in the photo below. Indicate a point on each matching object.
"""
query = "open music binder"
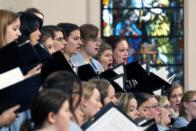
(146, 81)
(110, 118)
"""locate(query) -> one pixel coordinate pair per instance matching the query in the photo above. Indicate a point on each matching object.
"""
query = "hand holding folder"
(8, 116)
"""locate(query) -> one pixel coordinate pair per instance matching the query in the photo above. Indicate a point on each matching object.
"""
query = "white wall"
(190, 44)
(88, 11)
(75, 11)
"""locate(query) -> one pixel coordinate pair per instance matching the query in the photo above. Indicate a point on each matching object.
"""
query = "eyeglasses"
(192, 101)
(154, 106)
(97, 40)
(166, 107)
(60, 39)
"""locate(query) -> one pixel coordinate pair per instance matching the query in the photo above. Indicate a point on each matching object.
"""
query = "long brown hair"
(188, 96)
(7, 17)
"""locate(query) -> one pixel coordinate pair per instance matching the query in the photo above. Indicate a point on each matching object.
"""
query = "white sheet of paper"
(162, 73)
(157, 92)
(119, 70)
(119, 81)
(144, 66)
(114, 120)
(10, 77)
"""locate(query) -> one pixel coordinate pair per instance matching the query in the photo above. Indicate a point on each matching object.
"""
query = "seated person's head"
(50, 110)
(174, 95)
(147, 106)
(106, 90)
(90, 102)
(68, 83)
(188, 105)
(128, 105)
(165, 111)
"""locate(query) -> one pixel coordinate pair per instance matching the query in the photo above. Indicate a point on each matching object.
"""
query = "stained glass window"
(153, 28)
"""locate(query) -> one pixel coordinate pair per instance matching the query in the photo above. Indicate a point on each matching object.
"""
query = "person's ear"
(84, 101)
(83, 41)
(185, 104)
(51, 117)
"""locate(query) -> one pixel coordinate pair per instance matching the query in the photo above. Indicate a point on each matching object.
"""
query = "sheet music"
(163, 73)
(157, 92)
(114, 120)
(171, 78)
(119, 70)
(144, 66)
(10, 77)
(120, 81)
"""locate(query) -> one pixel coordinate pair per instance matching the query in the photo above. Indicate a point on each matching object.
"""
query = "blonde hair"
(102, 85)
(87, 89)
(124, 100)
(161, 99)
(185, 98)
(7, 17)
(87, 92)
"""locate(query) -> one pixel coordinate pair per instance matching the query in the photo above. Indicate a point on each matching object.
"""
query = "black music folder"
(43, 52)
(113, 72)
(146, 81)
(21, 93)
(22, 55)
(86, 72)
(118, 82)
(9, 57)
(57, 63)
